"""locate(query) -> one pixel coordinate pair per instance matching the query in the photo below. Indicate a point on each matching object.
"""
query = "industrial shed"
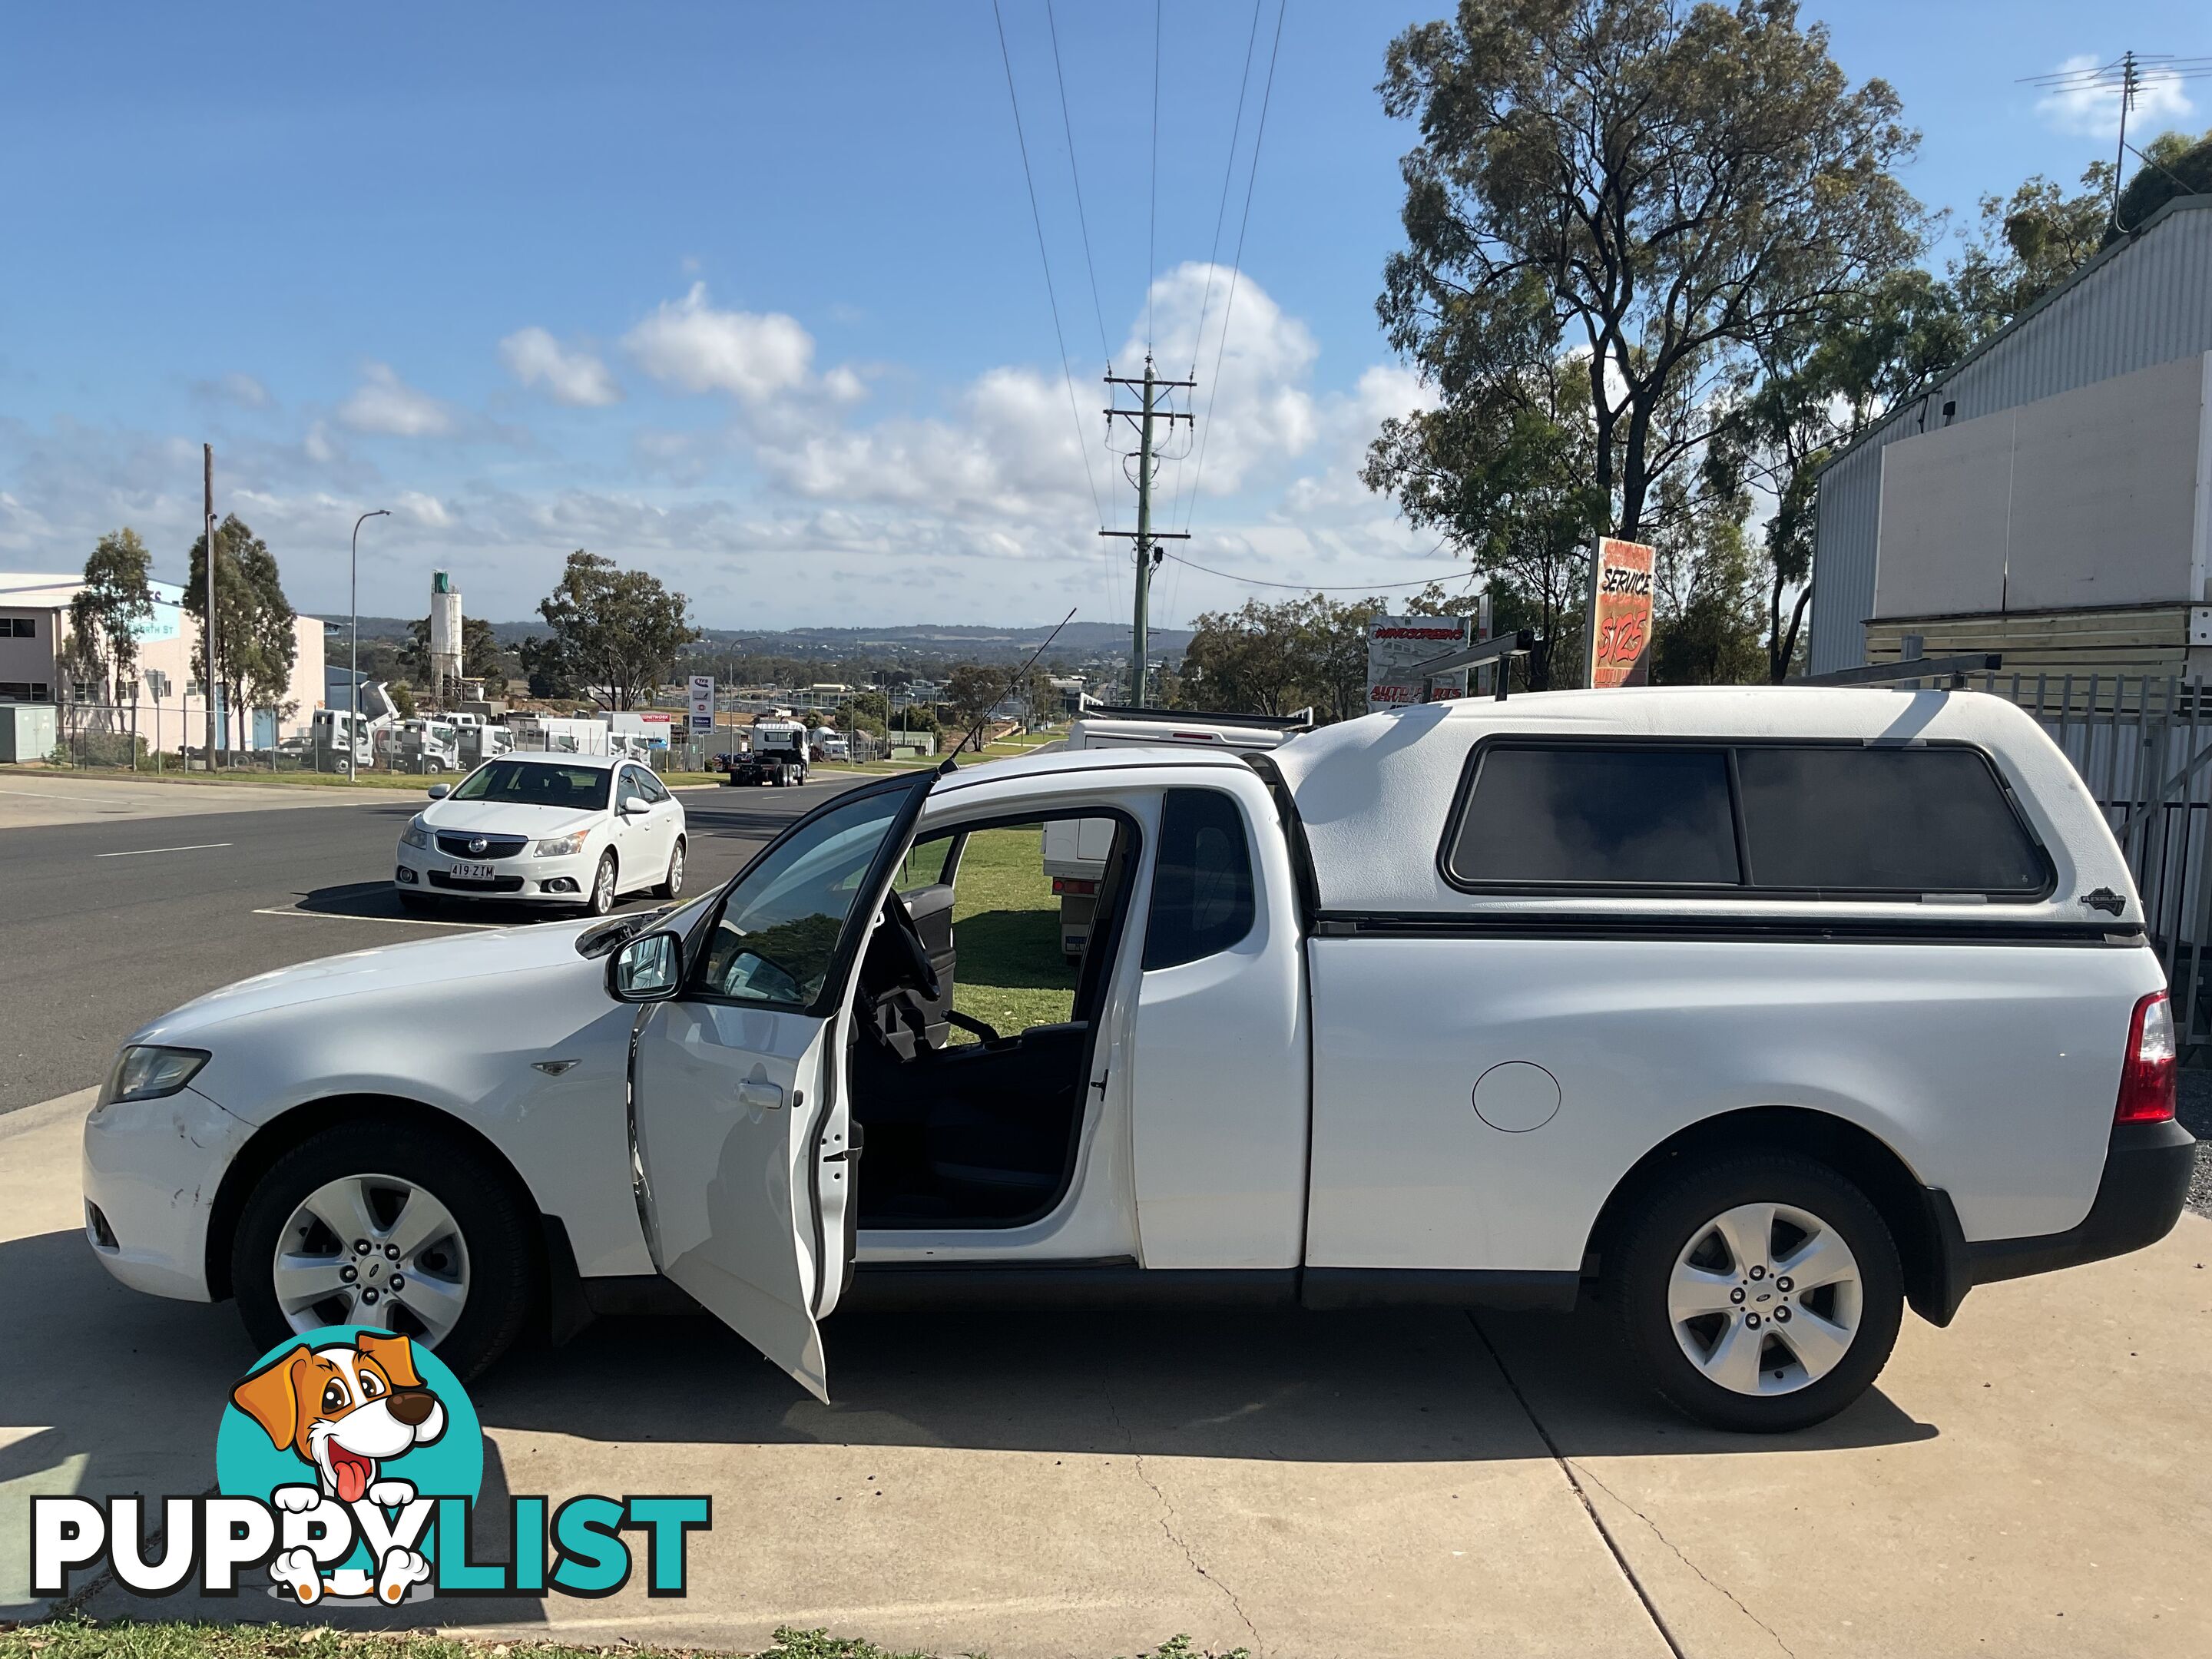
(2050, 498)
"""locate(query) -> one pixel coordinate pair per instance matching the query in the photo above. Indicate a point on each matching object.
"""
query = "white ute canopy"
(1377, 795)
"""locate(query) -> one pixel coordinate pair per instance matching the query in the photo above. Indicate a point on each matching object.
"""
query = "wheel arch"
(1921, 1220)
(302, 1123)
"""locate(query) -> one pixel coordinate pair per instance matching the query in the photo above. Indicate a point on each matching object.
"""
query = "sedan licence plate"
(473, 873)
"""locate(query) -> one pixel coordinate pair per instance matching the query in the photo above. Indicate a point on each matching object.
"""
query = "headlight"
(415, 834)
(559, 847)
(148, 1074)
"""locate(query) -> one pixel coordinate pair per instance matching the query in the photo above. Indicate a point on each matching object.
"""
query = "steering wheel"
(910, 941)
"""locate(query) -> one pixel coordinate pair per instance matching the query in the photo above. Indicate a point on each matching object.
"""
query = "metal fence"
(164, 736)
(2144, 745)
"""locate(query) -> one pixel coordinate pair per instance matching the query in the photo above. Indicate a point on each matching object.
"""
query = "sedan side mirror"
(649, 968)
(440, 791)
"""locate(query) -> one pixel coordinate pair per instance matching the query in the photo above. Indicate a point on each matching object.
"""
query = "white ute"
(1771, 1010)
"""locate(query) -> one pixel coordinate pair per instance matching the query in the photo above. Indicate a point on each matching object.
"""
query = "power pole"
(2130, 82)
(1148, 553)
(207, 633)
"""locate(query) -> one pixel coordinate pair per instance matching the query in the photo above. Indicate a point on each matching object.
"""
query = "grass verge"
(1006, 922)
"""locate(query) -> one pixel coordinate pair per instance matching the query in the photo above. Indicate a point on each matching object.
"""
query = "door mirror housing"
(647, 969)
(439, 791)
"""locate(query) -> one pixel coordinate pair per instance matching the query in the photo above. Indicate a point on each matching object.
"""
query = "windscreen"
(538, 783)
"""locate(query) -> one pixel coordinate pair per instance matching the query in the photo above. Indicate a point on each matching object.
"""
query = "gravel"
(2195, 1115)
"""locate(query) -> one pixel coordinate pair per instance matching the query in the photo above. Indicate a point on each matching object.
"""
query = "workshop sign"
(1397, 646)
(1620, 614)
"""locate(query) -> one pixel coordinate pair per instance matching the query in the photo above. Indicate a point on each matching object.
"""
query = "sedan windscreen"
(538, 783)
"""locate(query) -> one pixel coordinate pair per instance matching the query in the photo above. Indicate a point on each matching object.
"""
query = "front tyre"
(396, 1226)
(1758, 1294)
(601, 899)
(672, 885)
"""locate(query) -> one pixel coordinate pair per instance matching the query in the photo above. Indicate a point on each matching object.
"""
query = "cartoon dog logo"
(344, 1411)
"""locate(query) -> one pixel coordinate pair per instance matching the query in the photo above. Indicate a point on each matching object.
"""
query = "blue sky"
(749, 295)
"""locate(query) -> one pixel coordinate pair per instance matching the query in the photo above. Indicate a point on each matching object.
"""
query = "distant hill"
(918, 641)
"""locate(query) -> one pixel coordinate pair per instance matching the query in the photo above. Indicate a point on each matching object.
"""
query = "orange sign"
(1620, 614)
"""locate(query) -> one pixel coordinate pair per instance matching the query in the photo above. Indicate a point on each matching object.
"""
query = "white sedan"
(574, 830)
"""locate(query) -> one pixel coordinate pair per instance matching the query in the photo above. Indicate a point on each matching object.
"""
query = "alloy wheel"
(373, 1249)
(1766, 1298)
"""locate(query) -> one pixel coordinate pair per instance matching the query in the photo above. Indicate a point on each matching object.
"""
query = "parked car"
(1770, 1010)
(777, 756)
(565, 829)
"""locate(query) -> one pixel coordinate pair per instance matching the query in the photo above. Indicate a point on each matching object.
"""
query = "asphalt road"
(104, 925)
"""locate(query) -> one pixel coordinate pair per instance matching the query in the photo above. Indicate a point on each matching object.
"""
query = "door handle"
(760, 1097)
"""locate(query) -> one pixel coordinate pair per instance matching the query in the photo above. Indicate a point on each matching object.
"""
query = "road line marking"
(381, 921)
(141, 852)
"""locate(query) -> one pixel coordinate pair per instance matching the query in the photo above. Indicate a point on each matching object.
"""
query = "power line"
(1067, 126)
(1314, 587)
(1152, 214)
(1258, 138)
(1221, 217)
(1228, 172)
(1036, 217)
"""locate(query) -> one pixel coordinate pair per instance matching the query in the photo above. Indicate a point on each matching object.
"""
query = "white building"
(35, 624)
(2051, 497)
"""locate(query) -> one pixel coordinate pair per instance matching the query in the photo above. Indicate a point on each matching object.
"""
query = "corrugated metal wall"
(2147, 300)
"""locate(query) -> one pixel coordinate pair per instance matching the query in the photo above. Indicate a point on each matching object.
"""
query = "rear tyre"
(402, 1227)
(672, 885)
(601, 899)
(1759, 1294)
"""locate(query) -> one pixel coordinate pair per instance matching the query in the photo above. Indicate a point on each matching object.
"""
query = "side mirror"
(439, 791)
(649, 968)
(630, 803)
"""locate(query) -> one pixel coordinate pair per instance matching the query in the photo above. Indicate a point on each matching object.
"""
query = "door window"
(779, 928)
(1202, 880)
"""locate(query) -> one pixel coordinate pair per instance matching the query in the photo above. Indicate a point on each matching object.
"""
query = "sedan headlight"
(560, 847)
(417, 834)
(145, 1073)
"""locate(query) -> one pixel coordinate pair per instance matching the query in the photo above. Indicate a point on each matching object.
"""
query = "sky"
(750, 296)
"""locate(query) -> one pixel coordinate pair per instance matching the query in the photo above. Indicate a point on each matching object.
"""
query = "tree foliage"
(1644, 190)
(614, 629)
(107, 612)
(255, 642)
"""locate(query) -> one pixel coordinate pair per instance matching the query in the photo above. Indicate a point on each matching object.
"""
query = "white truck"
(1075, 849)
(777, 755)
(1770, 1010)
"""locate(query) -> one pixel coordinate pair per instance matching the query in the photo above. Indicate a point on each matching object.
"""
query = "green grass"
(89, 1638)
(1007, 924)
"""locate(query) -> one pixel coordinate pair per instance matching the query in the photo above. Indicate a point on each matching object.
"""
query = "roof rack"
(1501, 650)
(1302, 720)
(1953, 669)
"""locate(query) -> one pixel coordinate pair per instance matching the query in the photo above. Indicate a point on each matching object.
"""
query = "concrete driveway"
(2031, 1481)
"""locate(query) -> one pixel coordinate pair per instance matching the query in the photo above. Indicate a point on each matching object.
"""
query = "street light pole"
(353, 649)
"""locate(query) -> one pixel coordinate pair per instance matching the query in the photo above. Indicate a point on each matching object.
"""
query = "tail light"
(1069, 887)
(2147, 1077)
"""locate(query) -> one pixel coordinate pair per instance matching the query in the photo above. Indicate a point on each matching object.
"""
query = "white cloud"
(690, 344)
(2093, 111)
(427, 511)
(235, 388)
(383, 403)
(317, 445)
(1255, 409)
(571, 376)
